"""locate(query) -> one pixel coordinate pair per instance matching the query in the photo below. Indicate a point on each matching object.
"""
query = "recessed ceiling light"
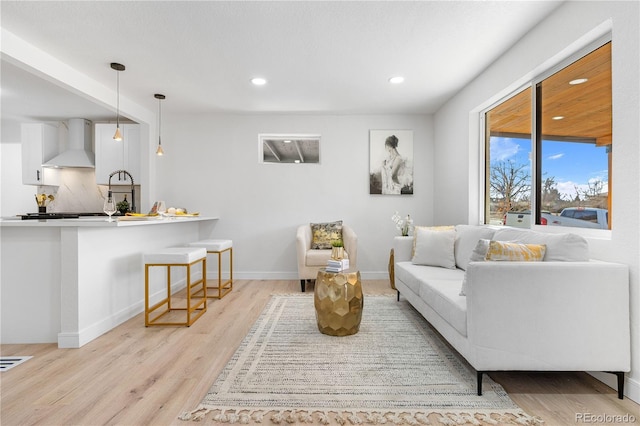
(558, 117)
(396, 80)
(258, 81)
(287, 141)
(578, 81)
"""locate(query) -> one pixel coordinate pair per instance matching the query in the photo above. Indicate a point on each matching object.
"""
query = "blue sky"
(571, 164)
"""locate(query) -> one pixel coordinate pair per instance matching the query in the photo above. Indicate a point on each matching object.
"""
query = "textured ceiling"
(318, 57)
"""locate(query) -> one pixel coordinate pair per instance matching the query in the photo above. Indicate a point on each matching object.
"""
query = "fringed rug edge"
(414, 417)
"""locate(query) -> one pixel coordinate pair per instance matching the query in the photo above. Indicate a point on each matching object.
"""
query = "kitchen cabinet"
(39, 144)
(113, 155)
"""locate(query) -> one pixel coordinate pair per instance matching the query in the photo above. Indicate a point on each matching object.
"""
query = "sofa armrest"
(303, 243)
(402, 249)
(549, 315)
(350, 240)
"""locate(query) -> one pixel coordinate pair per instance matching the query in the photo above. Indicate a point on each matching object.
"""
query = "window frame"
(536, 163)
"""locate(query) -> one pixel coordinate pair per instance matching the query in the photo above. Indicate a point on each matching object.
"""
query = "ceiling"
(318, 56)
(586, 109)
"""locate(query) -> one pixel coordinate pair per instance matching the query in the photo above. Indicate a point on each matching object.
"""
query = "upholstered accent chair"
(310, 259)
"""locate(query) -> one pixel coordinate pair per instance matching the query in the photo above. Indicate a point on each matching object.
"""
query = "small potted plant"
(337, 249)
(123, 206)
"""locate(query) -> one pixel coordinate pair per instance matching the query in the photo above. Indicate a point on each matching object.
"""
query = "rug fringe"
(412, 418)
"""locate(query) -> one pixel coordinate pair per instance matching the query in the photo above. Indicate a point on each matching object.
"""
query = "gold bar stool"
(183, 257)
(218, 247)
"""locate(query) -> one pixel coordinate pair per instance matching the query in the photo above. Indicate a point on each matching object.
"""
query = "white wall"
(211, 165)
(571, 26)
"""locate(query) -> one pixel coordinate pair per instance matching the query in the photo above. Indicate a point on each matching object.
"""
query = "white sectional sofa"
(564, 313)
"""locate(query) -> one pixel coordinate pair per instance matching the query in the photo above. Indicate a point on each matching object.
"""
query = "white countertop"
(100, 221)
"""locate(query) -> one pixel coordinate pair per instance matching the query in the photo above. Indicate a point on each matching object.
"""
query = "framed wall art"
(391, 162)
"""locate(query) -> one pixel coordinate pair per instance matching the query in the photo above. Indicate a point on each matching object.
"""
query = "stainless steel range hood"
(78, 152)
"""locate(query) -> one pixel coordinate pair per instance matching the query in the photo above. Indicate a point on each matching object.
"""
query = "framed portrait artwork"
(391, 162)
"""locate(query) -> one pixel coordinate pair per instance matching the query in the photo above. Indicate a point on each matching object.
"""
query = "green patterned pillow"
(324, 233)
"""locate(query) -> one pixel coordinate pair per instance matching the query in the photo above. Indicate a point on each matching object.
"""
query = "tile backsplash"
(78, 192)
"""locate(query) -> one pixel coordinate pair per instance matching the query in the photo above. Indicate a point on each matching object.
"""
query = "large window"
(562, 174)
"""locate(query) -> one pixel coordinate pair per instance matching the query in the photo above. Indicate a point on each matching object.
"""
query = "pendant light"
(159, 97)
(118, 67)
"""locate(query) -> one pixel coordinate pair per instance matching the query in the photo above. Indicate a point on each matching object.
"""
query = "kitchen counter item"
(58, 215)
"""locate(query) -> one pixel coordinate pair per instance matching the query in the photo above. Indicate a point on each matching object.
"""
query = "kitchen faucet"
(133, 191)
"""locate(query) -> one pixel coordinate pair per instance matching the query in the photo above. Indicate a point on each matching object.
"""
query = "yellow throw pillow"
(501, 250)
(429, 228)
(324, 233)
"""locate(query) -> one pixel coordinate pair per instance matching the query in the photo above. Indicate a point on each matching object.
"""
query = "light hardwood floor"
(147, 376)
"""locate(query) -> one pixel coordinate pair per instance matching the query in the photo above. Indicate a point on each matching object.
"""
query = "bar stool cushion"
(213, 245)
(175, 255)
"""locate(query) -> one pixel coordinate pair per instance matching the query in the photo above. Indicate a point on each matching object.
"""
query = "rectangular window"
(508, 161)
(573, 109)
(288, 148)
(566, 172)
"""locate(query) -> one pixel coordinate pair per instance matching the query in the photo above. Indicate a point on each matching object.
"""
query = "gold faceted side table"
(338, 301)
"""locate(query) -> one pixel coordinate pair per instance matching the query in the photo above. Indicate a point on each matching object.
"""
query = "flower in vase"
(403, 225)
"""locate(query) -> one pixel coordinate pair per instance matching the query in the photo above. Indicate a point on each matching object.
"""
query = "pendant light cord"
(118, 99)
(159, 122)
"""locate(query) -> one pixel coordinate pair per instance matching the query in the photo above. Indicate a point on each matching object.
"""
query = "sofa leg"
(479, 375)
(620, 376)
(302, 286)
(398, 291)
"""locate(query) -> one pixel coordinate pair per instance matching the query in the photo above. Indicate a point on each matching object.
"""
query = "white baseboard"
(631, 386)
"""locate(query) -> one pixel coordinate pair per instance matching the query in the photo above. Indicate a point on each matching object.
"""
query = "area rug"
(395, 370)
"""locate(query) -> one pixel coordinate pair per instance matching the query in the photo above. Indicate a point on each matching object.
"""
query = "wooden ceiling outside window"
(586, 107)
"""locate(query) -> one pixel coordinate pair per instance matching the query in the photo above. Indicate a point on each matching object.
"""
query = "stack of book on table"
(337, 265)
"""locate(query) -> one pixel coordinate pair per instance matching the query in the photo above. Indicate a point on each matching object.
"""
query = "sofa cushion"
(412, 275)
(442, 296)
(434, 248)
(319, 257)
(439, 288)
(502, 250)
(322, 234)
(564, 247)
(467, 237)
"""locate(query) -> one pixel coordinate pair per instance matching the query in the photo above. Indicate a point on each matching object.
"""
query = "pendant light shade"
(118, 67)
(118, 135)
(159, 97)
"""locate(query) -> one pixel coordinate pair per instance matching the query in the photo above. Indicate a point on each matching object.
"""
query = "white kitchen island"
(71, 280)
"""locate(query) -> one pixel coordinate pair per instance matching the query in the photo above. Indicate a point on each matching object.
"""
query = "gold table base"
(338, 301)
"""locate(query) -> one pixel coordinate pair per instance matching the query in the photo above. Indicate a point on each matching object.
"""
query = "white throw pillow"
(479, 254)
(434, 248)
(467, 237)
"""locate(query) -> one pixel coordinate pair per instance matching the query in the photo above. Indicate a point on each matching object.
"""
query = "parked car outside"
(523, 219)
(577, 217)
(582, 217)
